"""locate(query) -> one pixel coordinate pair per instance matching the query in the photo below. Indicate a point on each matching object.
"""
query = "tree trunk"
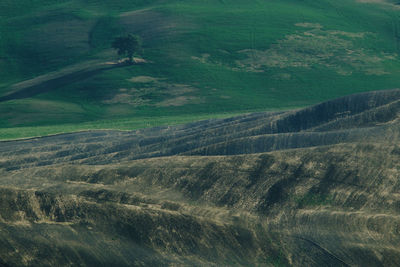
(130, 58)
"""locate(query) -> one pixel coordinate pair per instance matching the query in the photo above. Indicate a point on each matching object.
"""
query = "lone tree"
(127, 45)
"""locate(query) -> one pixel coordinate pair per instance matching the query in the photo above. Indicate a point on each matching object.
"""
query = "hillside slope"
(203, 58)
(310, 187)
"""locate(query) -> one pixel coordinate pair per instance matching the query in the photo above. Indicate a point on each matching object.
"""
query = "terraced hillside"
(317, 186)
(201, 59)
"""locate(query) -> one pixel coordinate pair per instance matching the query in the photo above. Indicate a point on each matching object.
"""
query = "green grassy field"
(12, 133)
(203, 59)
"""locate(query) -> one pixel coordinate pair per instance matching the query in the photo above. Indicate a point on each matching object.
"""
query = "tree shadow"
(61, 81)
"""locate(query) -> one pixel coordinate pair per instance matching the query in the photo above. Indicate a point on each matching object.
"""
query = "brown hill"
(311, 187)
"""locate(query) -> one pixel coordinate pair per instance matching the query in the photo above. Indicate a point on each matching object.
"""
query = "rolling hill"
(248, 133)
(201, 59)
(316, 186)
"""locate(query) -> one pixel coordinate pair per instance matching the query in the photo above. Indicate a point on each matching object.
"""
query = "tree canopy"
(127, 45)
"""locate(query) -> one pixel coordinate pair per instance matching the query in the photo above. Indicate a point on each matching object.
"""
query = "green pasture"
(203, 59)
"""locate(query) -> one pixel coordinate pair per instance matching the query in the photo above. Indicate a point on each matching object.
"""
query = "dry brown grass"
(136, 192)
(316, 46)
(171, 94)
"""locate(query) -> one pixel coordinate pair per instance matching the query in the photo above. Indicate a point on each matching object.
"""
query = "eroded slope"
(324, 191)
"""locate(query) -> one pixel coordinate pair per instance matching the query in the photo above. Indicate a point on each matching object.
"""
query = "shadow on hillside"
(58, 82)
